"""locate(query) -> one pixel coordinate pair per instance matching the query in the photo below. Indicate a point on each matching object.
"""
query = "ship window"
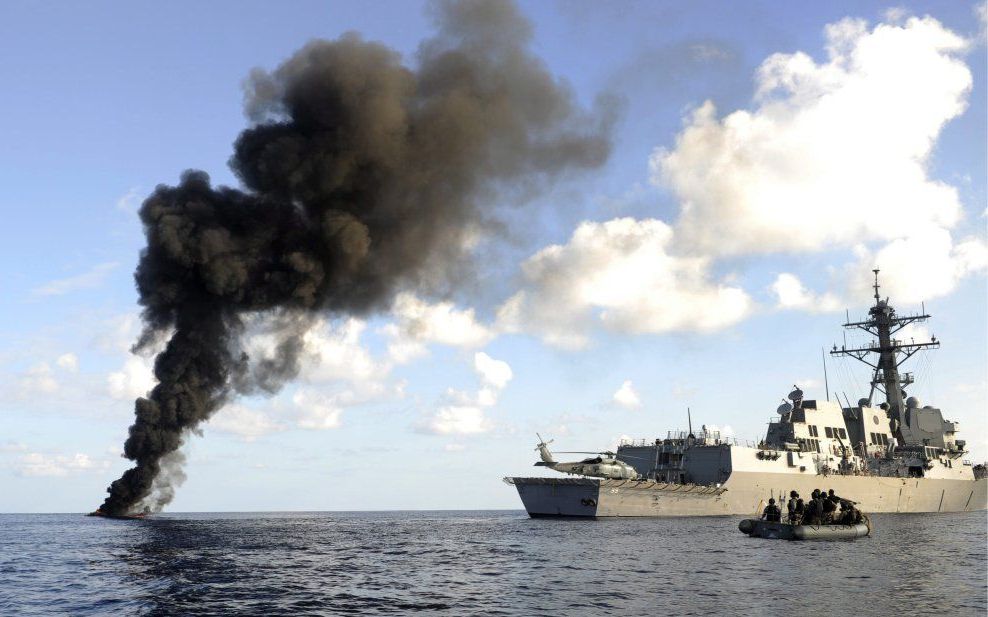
(885, 439)
(829, 431)
(842, 433)
(813, 431)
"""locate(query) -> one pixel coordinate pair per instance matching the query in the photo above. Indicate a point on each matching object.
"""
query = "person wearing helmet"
(795, 507)
(772, 512)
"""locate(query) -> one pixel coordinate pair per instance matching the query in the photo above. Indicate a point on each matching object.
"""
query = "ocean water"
(481, 563)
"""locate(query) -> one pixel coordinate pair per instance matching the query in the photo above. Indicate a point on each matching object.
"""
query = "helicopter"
(604, 465)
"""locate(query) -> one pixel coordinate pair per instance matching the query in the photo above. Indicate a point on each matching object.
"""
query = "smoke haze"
(361, 177)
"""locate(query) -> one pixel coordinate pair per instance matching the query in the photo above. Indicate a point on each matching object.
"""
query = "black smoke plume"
(361, 176)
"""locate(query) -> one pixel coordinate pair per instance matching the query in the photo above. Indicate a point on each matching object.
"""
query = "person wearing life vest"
(772, 512)
(796, 508)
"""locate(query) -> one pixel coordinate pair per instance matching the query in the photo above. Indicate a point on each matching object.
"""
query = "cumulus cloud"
(321, 411)
(418, 324)
(834, 154)
(626, 396)
(87, 280)
(459, 420)
(464, 413)
(914, 333)
(335, 353)
(620, 275)
(39, 464)
(790, 293)
(336, 372)
(925, 265)
(38, 379)
(244, 422)
(332, 352)
(41, 378)
(135, 378)
(495, 373)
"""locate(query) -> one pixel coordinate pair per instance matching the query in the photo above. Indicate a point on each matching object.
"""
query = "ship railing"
(636, 443)
(701, 438)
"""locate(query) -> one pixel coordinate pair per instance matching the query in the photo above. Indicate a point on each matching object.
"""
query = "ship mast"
(882, 324)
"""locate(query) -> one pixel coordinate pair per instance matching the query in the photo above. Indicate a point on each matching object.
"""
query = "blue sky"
(767, 157)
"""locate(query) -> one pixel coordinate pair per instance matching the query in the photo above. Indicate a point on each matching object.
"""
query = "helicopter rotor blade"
(603, 453)
(638, 458)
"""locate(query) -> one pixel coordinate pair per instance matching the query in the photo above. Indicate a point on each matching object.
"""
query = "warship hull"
(744, 493)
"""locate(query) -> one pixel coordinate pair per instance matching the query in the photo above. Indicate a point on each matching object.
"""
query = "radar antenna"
(882, 324)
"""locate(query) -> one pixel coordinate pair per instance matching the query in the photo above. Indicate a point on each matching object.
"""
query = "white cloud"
(68, 362)
(244, 422)
(619, 275)
(332, 351)
(459, 420)
(454, 447)
(87, 280)
(925, 265)
(335, 353)
(496, 373)
(834, 155)
(914, 333)
(791, 294)
(464, 413)
(38, 464)
(134, 379)
(316, 411)
(336, 372)
(627, 397)
(418, 324)
(39, 379)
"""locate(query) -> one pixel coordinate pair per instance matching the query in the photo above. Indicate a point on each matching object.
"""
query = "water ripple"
(490, 563)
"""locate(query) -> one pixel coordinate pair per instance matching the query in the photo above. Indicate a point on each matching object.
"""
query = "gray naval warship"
(894, 456)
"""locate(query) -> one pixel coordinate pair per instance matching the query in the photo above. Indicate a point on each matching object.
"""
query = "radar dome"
(912, 402)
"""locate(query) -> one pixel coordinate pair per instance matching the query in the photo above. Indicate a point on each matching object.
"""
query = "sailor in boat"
(849, 515)
(814, 510)
(796, 508)
(830, 504)
(772, 512)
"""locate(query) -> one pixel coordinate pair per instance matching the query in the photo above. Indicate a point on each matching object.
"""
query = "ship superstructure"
(889, 456)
